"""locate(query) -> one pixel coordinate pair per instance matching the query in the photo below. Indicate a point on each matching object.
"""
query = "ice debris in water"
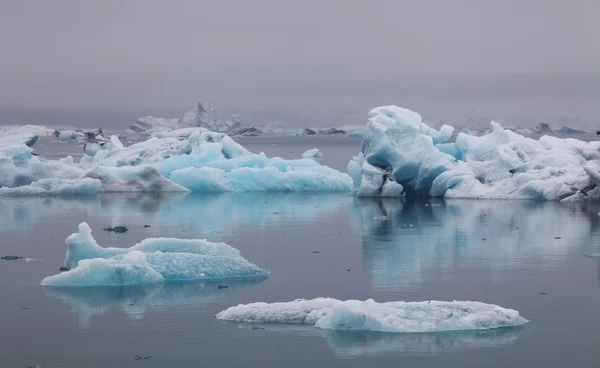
(356, 315)
(402, 156)
(203, 162)
(313, 153)
(154, 260)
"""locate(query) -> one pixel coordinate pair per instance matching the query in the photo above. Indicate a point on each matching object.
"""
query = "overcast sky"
(274, 52)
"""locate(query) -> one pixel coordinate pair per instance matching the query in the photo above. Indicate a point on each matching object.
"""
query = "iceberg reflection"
(134, 301)
(405, 241)
(364, 344)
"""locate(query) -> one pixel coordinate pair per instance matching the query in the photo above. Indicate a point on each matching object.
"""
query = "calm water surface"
(502, 252)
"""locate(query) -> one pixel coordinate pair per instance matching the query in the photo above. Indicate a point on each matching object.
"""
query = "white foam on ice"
(398, 147)
(356, 315)
(151, 261)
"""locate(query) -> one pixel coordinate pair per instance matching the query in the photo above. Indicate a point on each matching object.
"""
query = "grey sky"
(150, 53)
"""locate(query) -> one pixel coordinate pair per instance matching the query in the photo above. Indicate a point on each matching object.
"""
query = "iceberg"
(399, 151)
(203, 162)
(154, 260)
(214, 162)
(313, 153)
(399, 317)
(26, 174)
(11, 135)
(204, 116)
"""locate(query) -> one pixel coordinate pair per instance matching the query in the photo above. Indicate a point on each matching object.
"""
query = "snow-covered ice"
(313, 153)
(401, 156)
(154, 260)
(356, 315)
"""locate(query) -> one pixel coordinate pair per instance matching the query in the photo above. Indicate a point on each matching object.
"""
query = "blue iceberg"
(154, 260)
(402, 156)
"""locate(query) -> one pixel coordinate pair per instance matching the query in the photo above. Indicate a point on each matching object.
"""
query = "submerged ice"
(356, 315)
(402, 156)
(153, 260)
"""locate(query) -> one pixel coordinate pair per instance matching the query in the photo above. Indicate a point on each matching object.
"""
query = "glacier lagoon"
(524, 255)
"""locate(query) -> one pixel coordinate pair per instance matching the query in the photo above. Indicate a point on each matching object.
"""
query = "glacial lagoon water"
(525, 255)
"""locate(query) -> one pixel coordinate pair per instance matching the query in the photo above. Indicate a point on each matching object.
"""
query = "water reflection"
(134, 301)
(362, 344)
(403, 242)
(203, 212)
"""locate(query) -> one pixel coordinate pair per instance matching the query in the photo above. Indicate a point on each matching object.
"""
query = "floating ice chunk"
(153, 260)
(11, 135)
(203, 162)
(312, 153)
(355, 315)
(398, 147)
(69, 135)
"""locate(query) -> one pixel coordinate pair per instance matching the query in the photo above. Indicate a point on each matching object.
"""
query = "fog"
(443, 58)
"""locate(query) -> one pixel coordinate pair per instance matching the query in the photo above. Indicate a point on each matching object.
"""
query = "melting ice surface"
(355, 315)
(403, 156)
(154, 260)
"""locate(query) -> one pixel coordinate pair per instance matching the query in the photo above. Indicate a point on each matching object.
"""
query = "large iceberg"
(356, 315)
(402, 156)
(154, 260)
(203, 162)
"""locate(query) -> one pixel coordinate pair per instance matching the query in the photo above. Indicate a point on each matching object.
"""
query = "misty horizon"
(276, 61)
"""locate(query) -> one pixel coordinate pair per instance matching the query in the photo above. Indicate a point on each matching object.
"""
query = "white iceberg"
(399, 151)
(154, 260)
(356, 315)
(26, 174)
(11, 135)
(69, 135)
(204, 116)
(313, 153)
